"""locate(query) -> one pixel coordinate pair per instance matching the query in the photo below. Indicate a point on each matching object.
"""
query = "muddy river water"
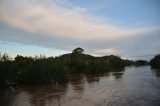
(133, 86)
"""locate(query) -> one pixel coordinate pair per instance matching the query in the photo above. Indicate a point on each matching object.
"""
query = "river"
(133, 86)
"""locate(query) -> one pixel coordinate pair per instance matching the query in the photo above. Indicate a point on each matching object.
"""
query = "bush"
(155, 62)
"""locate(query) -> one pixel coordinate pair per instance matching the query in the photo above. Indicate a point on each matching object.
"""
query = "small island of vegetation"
(42, 70)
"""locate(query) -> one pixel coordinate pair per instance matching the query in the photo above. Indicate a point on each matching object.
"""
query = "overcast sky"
(128, 28)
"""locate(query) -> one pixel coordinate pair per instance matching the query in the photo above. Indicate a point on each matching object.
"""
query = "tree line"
(44, 70)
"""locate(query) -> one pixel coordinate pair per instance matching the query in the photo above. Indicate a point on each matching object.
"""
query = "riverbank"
(49, 70)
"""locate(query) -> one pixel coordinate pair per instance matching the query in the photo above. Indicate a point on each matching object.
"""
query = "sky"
(127, 28)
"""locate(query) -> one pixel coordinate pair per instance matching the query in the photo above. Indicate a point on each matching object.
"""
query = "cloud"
(108, 51)
(55, 20)
(55, 23)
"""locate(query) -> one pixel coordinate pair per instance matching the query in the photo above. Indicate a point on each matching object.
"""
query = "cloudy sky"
(128, 28)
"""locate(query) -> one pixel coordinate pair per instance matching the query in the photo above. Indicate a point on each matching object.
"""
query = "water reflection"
(22, 99)
(48, 95)
(77, 81)
(157, 72)
(133, 86)
(39, 95)
(117, 75)
(6, 97)
(92, 79)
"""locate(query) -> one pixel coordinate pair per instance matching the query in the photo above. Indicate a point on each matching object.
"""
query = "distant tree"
(155, 62)
(23, 61)
(8, 71)
(78, 51)
(116, 62)
(5, 57)
(0, 57)
(129, 62)
(141, 62)
(19, 59)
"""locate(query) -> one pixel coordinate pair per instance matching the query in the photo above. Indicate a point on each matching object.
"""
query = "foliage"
(40, 69)
(78, 51)
(141, 62)
(155, 62)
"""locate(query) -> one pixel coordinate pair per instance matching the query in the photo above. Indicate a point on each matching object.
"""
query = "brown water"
(134, 86)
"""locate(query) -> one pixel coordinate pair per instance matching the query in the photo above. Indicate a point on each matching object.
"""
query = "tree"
(4, 57)
(141, 63)
(78, 51)
(155, 62)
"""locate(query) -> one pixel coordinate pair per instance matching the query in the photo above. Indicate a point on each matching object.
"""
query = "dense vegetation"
(155, 62)
(39, 69)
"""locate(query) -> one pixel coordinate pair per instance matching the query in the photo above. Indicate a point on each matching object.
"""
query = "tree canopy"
(78, 51)
(155, 62)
